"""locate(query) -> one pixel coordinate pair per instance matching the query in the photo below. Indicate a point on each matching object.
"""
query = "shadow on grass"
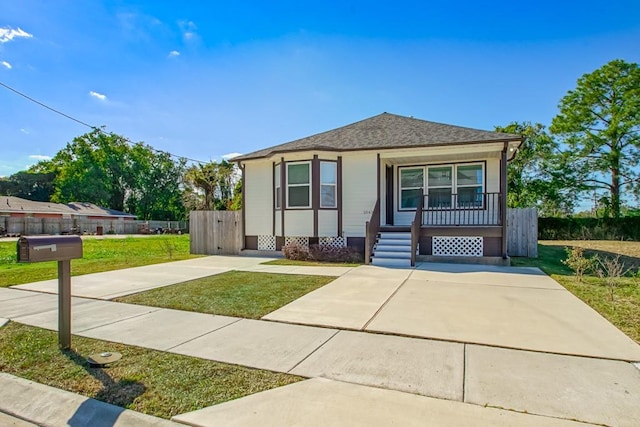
(120, 393)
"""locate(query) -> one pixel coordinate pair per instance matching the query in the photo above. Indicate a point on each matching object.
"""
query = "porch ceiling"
(441, 158)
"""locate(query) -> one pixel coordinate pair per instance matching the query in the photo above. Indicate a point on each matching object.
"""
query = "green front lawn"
(235, 293)
(149, 381)
(99, 255)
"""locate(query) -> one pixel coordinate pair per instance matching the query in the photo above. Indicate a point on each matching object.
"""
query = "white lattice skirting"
(266, 243)
(333, 242)
(456, 246)
(302, 241)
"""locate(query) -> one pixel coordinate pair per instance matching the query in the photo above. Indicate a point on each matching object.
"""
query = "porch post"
(244, 205)
(283, 191)
(339, 195)
(503, 199)
(315, 200)
(378, 177)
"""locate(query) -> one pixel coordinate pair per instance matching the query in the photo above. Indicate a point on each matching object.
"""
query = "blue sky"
(205, 79)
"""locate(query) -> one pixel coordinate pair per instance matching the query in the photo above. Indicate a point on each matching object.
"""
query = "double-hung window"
(328, 184)
(439, 186)
(278, 191)
(469, 185)
(299, 185)
(411, 187)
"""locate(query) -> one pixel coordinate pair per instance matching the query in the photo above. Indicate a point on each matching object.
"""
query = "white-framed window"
(439, 186)
(411, 187)
(299, 185)
(447, 186)
(328, 184)
(277, 190)
(470, 185)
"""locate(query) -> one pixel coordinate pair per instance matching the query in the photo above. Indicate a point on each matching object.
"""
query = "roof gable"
(385, 131)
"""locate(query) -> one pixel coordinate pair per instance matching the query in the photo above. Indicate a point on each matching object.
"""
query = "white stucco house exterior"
(379, 181)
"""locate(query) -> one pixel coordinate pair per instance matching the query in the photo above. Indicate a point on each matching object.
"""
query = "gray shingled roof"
(89, 209)
(385, 131)
(10, 204)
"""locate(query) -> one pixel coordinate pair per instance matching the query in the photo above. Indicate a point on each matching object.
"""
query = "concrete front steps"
(392, 249)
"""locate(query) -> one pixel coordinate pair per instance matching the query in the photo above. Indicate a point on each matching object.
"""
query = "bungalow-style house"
(393, 187)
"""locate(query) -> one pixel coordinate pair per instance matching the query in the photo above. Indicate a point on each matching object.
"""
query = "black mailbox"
(49, 248)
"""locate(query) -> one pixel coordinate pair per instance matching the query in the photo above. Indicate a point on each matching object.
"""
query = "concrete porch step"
(393, 254)
(386, 247)
(395, 236)
(391, 262)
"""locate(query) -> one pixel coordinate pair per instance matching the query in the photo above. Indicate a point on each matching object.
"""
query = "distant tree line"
(590, 152)
(106, 169)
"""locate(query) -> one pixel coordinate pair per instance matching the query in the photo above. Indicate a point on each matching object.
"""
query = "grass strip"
(148, 381)
(99, 255)
(235, 293)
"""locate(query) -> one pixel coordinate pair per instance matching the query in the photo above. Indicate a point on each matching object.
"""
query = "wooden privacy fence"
(522, 232)
(215, 232)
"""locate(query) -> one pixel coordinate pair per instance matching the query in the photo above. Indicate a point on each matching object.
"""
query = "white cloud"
(230, 156)
(174, 53)
(188, 29)
(8, 34)
(6, 64)
(25, 131)
(97, 95)
(39, 157)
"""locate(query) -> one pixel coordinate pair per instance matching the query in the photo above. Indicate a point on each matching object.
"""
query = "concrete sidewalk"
(567, 387)
(47, 406)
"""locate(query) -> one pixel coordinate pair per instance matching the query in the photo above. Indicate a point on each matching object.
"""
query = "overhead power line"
(99, 129)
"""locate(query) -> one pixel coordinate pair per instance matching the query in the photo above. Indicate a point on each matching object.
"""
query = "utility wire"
(99, 129)
(47, 107)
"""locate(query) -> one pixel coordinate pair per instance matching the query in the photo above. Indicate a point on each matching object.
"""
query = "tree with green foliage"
(212, 186)
(599, 122)
(107, 170)
(28, 185)
(156, 191)
(535, 176)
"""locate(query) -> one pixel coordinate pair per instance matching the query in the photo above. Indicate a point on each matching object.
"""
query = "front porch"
(468, 227)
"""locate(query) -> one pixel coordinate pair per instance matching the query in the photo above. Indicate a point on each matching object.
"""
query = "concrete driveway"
(510, 307)
(455, 344)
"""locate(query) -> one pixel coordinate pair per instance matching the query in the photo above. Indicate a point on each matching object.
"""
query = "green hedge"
(627, 228)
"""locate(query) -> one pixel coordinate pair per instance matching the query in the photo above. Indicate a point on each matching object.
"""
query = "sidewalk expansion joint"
(312, 352)
(384, 304)
(464, 372)
(206, 333)
(122, 319)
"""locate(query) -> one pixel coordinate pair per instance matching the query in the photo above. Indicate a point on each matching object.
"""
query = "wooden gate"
(522, 232)
(215, 232)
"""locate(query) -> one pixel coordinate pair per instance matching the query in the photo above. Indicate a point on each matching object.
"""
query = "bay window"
(328, 184)
(278, 191)
(299, 185)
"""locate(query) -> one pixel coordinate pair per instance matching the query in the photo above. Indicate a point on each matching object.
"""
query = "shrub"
(610, 270)
(578, 262)
(625, 228)
(333, 254)
(295, 251)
